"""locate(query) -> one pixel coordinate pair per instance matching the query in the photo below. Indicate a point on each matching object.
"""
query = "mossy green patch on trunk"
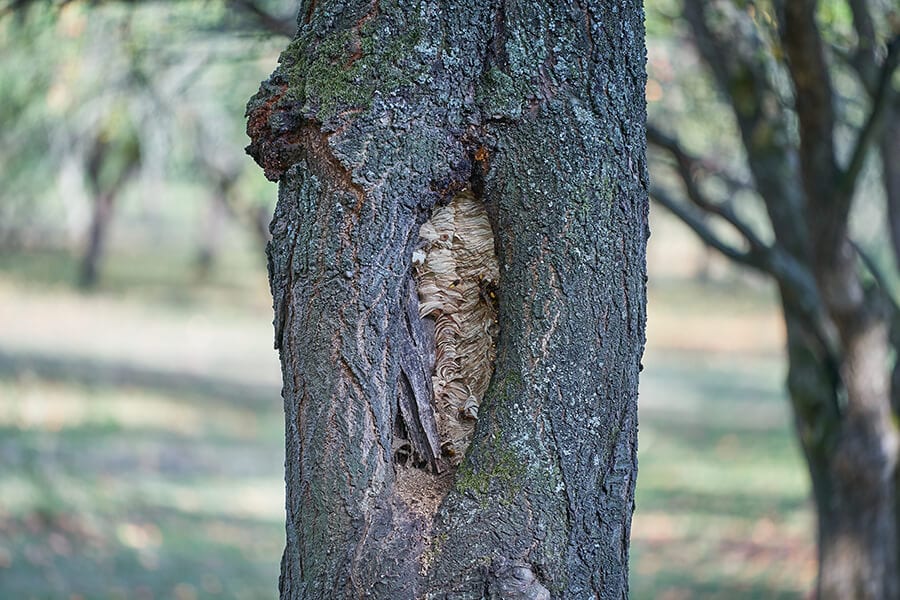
(345, 69)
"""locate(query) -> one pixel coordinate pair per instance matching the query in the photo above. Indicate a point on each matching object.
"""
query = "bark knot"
(273, 128)
(514, 580)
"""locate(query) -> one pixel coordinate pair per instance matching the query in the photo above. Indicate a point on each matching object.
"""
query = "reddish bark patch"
(309, 11)
(483, 159)
(273, 129)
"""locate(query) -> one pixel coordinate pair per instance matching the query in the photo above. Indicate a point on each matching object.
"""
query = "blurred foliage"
(159, 81)
(681, 94)
(749, 79)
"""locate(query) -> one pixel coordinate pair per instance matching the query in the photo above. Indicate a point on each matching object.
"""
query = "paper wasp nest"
(456, 273)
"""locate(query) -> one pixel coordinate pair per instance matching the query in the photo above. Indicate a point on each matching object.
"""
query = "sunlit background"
(141, 430)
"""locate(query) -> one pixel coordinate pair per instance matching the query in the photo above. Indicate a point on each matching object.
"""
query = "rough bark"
(378, 112)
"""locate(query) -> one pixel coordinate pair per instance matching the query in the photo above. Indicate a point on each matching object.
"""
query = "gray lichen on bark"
(378, 113)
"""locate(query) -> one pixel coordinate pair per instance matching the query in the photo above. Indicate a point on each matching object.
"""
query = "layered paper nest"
(456, 273)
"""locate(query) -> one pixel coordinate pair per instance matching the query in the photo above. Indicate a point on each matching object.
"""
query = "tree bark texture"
(378, 112)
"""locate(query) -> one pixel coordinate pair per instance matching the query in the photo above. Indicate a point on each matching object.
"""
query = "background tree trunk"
(95, 245)
(837, 329)
(378, 112)
(109, 167)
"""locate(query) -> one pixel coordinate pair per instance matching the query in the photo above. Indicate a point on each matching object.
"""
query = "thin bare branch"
(262, 19)
(709, 46)
(687, 166)
(882, 101)
(736, 54)
(267, 21)
(878, 275)
(707, 165)
(863, 24)
(703, 231)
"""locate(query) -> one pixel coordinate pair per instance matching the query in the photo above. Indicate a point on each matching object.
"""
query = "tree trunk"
(211, 232)
(851, 460)
(859, 555)
(96, 239)
(108, 168)
(859, 559)
(837, 337)
(378, 113)
(890, 150)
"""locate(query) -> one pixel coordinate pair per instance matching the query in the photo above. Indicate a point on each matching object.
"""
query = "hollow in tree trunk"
(379, 113)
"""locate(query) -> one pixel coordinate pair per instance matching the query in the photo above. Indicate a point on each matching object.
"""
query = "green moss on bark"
(502, 469)
(346, 68)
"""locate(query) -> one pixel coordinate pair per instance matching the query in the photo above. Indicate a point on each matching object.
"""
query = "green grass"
(141, 445)
(104, 498)
(167, 277)
(140, 429)
(722, 507)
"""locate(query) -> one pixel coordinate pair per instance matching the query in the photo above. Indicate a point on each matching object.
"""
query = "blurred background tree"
(143, 101)
(808, 93)
(140, 425)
